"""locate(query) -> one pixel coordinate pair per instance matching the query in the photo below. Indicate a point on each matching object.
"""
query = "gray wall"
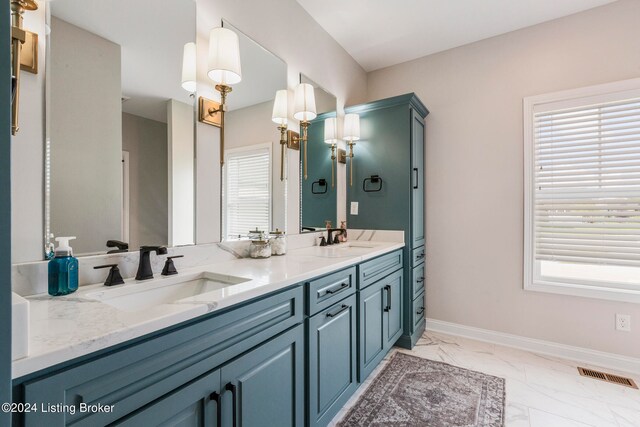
(474, 170)
(146, 142)
(86, 137)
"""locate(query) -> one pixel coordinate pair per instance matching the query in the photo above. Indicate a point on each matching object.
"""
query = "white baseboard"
(579, 354)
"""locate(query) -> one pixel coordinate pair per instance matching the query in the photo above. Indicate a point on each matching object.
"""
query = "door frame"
(5, 216)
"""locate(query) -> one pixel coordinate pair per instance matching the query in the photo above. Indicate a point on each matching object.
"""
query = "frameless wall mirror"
(253, 195)
(318, 193)
(119, 126)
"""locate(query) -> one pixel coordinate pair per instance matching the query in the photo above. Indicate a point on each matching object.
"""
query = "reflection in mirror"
(253, 196)
(120, 128)
(318, 193)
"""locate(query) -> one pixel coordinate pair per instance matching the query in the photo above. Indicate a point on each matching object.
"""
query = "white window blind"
(582, 193)
(247, 191)
(587, 184)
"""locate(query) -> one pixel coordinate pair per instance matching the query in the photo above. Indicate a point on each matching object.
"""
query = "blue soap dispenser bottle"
(63, 269)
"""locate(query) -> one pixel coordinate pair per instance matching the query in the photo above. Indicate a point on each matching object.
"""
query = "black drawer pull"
(343, 308)
(388, 289)
(217, 397)
(420, 256)
(420, 310)
(420, 280)
(415, 186)
(232, 388)
(340, 288)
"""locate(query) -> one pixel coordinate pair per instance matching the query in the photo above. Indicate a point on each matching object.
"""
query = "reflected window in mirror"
(119, 126)
(253, 194)
(247, 190)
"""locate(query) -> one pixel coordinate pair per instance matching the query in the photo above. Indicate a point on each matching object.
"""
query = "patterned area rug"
(411, 391)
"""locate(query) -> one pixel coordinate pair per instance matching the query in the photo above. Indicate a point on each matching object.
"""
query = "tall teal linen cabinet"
(392, 147)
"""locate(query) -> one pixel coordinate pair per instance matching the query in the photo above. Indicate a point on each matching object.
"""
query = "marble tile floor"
(542, 391)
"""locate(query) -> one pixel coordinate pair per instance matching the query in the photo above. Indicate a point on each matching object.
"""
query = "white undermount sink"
(139, 296)
(338, 250)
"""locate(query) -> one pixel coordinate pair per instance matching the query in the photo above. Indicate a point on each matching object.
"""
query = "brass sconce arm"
(18, 38)
(351, 144)
(283, 143)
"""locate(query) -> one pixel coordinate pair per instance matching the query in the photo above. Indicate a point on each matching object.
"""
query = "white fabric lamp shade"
(304, 103)
(352, 127)
(280, 107)
(224, 57)
(189, 67)
(331, 130)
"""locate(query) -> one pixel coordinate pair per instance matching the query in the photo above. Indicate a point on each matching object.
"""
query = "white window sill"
(611, 294)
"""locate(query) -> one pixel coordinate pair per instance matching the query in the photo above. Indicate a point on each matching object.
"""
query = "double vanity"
(281, 341)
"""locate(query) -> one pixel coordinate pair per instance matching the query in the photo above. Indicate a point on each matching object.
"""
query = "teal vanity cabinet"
(252, 355)
(331, 344)
(380, 309)
(392, 147)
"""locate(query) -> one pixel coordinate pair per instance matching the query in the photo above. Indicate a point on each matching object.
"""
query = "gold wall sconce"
(304, 111)
(224, 70)
(351, 134)
(27, 60)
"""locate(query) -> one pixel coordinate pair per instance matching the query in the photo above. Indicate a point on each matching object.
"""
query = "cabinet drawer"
(139, 374)
(376, 269)
(417, 280)
(328, 290)
(418, 310)
(418, 256)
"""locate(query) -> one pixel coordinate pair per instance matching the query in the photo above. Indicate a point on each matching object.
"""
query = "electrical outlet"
(623, 322)
(354, 208)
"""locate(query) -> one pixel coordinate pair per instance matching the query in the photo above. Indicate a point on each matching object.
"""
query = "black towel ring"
(374, 179)
(321, 183)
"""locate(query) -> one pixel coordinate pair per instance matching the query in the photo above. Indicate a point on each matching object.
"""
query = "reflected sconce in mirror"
(331, 137)
(304, 111)
(351, 134)
(224, 70)
(24, 54)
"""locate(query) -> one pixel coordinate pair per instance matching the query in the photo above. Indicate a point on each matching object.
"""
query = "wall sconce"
(331, 137)
(304, 111)
(351, 134)
(27, 60)
(224, 70)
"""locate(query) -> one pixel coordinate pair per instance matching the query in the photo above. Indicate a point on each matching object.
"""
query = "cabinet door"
(193, 405)
(417, 180)
(265, 387)
(371, 328)
(332, 360)
(392, 288)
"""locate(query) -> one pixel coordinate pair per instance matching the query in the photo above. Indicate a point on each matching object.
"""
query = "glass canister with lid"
(278, 242)
(260, 246)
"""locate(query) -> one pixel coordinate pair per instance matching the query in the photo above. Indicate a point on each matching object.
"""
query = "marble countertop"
(64, 328)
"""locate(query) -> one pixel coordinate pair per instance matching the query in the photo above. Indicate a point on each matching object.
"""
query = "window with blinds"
(247, 191)
(583, 188)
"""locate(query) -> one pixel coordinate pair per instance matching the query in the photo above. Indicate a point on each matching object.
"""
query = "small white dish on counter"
(19, 327)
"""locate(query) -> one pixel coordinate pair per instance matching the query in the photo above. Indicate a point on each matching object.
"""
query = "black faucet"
(144, 267)
(335, 240)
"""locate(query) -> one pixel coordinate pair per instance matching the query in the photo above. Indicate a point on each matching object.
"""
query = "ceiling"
(381, 33)
(151, 34)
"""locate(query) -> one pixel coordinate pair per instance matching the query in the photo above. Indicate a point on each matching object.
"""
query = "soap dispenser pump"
(63, 269)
